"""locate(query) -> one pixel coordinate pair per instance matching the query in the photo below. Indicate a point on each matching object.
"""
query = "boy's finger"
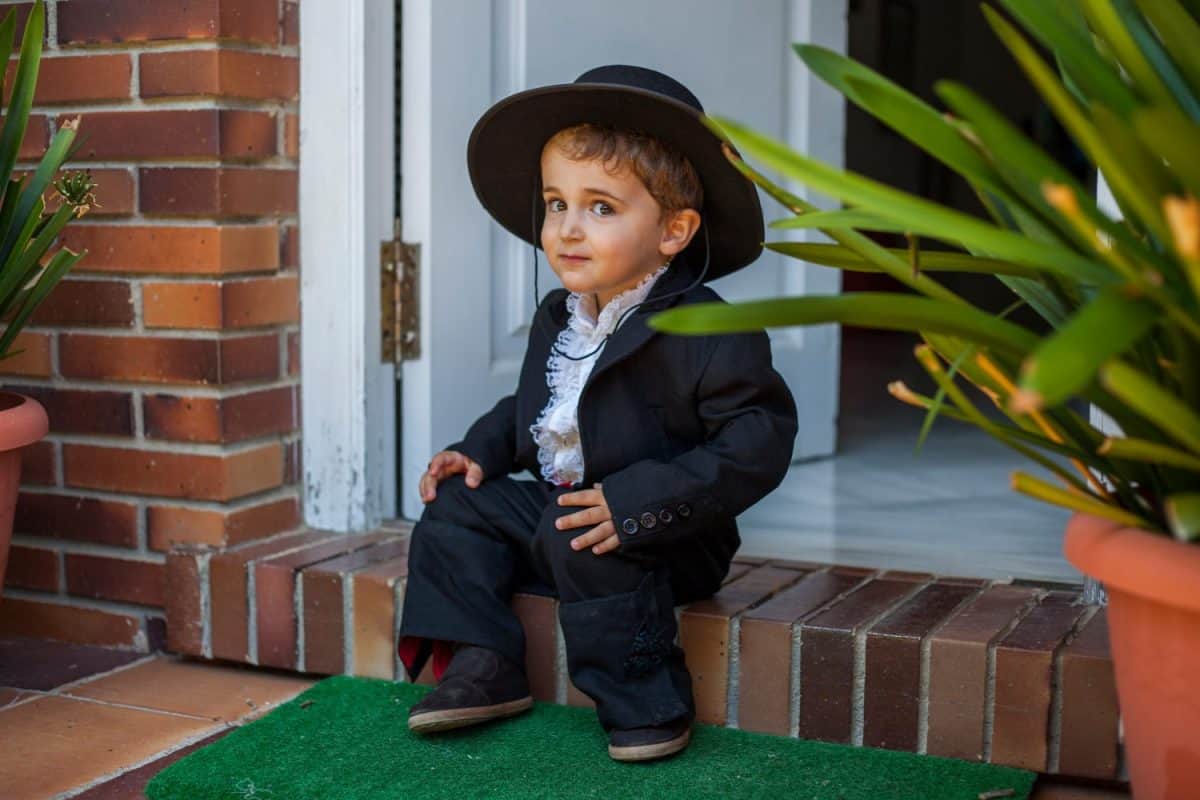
(607, 546)
(591, 516)
(587, 497)
(474, 475)
(594, 536)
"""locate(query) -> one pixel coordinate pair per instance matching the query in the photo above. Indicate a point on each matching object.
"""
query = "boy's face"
(611, 222)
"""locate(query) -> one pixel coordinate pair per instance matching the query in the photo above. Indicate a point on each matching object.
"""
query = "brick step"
(951, 666)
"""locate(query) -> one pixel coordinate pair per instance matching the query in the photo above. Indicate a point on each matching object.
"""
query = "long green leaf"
(1172, 137)
(17, 116)
(1125, 186)
(32, 194)
(930, 362)
(1153, 402)
(60, 263)
(834, 255)
(886, 310)
(853, 240)
(1120, 24)
(1027, 167)
(844, 218)
(1179, 32)
(1067, 360)
(918, 214)
(1094, 76)
(907, 114)
(20, 270)
(1049, 493)
(1149, 452)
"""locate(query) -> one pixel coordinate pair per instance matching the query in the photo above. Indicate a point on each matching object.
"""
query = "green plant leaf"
(24, 82)
(1063, 363)
(853, 240)
(1172, 137)
(916, 214)
(1086, 67)
(1179, 31)
(1183, 515)
(32, 194)
(1049, 493)
(60, 263)
(1124, 185)
(1153, 402)
(842, 257)
(1150, 452)
(842, 218)
(886, 310)
(1120, 24)
(1026, 167)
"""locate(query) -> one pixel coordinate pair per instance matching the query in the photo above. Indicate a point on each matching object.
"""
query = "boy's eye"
(550, 204)
(602, 204)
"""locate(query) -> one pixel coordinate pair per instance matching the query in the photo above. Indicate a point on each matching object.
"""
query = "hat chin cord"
(537, 295)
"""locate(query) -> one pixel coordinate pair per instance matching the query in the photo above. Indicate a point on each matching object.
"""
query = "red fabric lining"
(410, 649)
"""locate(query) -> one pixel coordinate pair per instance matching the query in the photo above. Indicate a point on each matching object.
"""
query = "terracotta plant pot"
(1153, 585)
(22, 422)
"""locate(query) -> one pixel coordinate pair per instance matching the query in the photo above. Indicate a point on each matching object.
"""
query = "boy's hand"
(445, 464)
(604, 535)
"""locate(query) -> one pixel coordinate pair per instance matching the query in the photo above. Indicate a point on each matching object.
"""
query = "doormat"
(347, 738)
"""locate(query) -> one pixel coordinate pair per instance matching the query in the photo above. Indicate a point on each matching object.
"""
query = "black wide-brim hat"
(505, 148)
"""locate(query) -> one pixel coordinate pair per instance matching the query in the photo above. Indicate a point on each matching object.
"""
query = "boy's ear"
(679, 230)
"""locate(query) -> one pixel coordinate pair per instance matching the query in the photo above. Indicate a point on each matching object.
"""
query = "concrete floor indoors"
(97, 723)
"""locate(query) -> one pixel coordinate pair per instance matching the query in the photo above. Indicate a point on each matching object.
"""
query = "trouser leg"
(617, 612)
(468, 553)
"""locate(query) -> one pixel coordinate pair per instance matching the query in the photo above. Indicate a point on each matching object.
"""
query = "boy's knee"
(448, 497)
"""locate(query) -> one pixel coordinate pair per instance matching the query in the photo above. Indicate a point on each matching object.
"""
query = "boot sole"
(449, 718)
(645, 752)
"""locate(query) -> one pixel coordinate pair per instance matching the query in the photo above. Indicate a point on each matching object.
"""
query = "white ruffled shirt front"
(556, 430)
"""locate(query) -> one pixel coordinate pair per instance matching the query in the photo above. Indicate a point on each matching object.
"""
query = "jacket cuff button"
(665, 516)
(630, 526)
(649, 520)
(684, 509)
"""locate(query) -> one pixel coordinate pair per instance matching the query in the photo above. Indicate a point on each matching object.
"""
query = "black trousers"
(473, 548)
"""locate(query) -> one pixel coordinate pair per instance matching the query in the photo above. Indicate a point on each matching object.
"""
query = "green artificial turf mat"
(352, 742)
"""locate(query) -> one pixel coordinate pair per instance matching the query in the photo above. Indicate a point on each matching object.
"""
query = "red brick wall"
(167, 359)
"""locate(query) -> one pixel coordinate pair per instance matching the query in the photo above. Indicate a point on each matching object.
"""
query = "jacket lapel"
(634, 332)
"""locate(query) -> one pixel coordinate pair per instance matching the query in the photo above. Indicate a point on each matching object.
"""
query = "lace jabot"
(556, 431)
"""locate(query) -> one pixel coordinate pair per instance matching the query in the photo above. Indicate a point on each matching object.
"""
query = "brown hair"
(664, 171)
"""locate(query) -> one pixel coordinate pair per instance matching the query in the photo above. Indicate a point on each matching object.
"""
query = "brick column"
(168, 359)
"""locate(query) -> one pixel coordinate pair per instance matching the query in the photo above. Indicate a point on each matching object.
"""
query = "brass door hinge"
(400, 319)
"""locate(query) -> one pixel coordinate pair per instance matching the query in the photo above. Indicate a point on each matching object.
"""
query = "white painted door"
(476, 286)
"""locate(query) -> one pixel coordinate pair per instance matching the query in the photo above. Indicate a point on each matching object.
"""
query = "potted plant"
(1119, 293)
(27, 232)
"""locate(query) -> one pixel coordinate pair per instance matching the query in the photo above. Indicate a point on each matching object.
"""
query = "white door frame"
(347, 147)
(347, 207)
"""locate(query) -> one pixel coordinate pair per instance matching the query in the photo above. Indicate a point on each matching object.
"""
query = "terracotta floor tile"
(205, 690)
(92, 739)
(10, 696)
(130, 785)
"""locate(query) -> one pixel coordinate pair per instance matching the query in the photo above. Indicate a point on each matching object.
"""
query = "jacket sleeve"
(491, 441)
(750, 419)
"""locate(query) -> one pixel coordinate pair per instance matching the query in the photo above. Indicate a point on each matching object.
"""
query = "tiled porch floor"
(97, 724)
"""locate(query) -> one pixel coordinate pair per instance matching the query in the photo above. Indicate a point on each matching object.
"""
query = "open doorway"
(877, 502)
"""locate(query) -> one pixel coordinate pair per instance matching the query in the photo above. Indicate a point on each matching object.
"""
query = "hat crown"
(641, 78)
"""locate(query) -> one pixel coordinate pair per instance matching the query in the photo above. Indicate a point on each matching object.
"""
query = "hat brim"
(505, 148)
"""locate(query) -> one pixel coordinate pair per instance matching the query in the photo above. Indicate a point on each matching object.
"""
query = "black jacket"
(682, 432)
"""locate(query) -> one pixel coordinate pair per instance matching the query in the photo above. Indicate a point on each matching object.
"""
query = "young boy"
(645, 446)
